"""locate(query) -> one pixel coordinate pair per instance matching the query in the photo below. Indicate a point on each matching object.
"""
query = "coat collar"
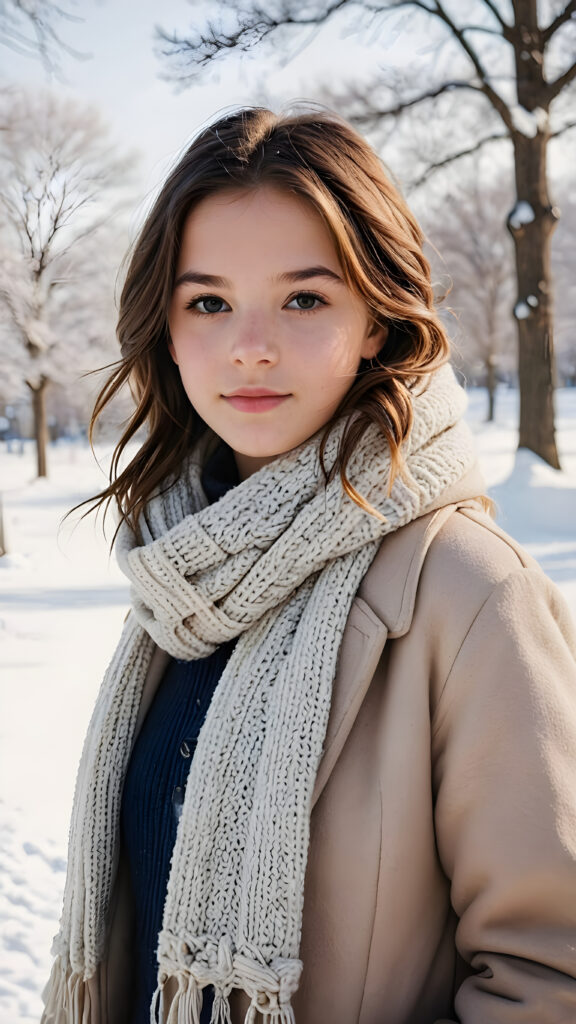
(391, 583)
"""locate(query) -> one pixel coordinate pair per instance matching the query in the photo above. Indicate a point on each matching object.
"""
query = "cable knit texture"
(276, 562)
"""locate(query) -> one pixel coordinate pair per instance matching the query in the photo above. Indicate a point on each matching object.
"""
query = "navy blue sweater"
(156, 781)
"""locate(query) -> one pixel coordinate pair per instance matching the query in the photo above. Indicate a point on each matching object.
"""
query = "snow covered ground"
(62, 602)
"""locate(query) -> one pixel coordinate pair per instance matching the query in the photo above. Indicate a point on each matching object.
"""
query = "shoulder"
(453, 557)
(491, 591)
(453, 584)
(469, 559)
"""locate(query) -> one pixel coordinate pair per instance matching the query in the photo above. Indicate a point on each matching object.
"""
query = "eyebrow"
(289, 277)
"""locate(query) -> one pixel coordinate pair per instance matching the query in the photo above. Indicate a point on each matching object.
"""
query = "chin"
(263, 451)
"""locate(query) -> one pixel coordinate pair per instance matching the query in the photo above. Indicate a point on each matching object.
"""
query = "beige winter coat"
(441, 882)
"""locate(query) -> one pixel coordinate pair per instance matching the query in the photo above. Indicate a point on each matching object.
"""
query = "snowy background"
(62, 602)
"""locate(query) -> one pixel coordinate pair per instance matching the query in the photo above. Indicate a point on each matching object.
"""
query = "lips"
(255, 399)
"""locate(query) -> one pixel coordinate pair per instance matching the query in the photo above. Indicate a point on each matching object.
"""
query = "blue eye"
(305, 301)
(208, 304)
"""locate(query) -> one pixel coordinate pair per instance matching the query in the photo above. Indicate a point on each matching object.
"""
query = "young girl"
(331, 773)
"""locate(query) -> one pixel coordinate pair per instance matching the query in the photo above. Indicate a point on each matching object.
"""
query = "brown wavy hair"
(322, 159)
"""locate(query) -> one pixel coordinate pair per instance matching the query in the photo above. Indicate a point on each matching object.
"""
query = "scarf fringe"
(66, 996)
(199, 962)
(221, 1008)
(283, 1015)
(184, 1007)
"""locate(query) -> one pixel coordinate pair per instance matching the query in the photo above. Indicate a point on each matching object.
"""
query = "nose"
(254, 343)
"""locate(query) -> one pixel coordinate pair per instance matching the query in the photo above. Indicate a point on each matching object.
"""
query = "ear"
(375, 340)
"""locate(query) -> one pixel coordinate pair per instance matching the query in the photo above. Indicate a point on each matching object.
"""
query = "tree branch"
(205, 47)
(482, 28)
(559, 20)
(438, 164)
(44, 41)
(495, 99)
(564, 128)
(494, 10)
(432, 94)
(399, 4)
(554, 88)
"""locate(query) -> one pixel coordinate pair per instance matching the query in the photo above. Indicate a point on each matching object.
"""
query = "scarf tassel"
(283, 1015)
(185, 1006)
(66, 996)
(221, 1008)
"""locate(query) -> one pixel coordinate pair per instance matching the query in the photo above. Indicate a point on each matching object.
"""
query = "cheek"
(343, 354)
(172, 351)
(173, 332)
(186, 349)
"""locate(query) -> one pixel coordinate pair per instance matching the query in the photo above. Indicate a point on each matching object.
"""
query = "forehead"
(247, 226)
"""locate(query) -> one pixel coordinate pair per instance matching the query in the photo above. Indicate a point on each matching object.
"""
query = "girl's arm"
(505, 762)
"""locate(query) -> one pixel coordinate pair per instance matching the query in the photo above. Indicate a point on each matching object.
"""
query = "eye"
(208, 304)
(305, 301)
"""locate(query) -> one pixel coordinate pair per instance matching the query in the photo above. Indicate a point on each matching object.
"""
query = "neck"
(249, 464)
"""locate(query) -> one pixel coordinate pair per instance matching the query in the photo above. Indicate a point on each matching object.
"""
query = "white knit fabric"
(276, 562)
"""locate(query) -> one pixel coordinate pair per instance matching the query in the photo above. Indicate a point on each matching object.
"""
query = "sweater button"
(178, 801)
(185, 749)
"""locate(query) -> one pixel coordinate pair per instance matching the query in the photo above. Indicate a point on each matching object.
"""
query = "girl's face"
(265, 332)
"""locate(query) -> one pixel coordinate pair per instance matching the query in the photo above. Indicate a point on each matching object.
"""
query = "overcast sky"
(121, 74)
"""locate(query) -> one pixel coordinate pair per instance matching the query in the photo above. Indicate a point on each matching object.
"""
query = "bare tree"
(32, 28)
(62, 185)
(464, 226)
(516, 57)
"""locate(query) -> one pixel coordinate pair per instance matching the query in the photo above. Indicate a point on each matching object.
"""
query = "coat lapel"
(382, 609)
(362, 644)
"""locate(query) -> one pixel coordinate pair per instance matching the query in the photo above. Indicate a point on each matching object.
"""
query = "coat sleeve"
(504, 745)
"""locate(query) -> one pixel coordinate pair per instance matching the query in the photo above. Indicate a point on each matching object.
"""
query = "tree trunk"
(532, 239)
(40, 423)
(491, 387)
(534, 310)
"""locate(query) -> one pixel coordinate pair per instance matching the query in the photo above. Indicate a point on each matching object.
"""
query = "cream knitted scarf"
(276, 562)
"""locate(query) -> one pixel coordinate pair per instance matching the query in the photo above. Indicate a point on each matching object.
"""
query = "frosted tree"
(512, 62)
(62, 187)
(475, 259)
